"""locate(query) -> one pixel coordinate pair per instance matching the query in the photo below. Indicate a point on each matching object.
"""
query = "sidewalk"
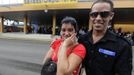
(22, 36)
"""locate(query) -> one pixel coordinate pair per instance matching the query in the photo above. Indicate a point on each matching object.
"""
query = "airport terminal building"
(44, 16)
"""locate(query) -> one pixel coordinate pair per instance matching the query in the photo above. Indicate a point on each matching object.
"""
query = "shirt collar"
(109, 35)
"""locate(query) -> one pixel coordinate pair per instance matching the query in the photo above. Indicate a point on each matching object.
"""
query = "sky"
(3, 2)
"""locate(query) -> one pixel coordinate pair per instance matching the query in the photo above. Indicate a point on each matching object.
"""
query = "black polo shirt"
(111, 55)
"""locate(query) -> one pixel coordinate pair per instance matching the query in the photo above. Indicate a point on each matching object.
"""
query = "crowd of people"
(128, 35)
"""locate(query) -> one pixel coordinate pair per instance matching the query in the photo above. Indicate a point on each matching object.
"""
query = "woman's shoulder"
(80, 50)
(56, 41)
(80, 46)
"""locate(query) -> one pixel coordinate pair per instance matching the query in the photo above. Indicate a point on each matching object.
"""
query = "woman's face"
(67, 30)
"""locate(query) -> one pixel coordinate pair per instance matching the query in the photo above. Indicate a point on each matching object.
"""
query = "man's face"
(67, 30)
(100, 16)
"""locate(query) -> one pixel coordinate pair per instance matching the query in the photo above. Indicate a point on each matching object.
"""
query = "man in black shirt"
(107, 53)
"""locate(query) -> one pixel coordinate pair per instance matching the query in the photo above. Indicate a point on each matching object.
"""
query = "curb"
(20, 36)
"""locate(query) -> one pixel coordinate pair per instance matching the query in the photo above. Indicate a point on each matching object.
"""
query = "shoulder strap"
(82, 70)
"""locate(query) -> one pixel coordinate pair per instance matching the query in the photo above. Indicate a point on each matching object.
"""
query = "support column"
(25, 24)
(54, 25)
(1, 24)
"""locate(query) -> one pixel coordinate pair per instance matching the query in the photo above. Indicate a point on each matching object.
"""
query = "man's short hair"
(104, 1)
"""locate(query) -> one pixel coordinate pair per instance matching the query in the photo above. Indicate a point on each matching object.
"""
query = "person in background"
(133, 38)
(106, 52)
(66, 51)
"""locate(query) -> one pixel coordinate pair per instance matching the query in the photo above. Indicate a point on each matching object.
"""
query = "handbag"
(49, 68)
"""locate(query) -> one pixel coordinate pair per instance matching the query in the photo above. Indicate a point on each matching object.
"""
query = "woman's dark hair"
(71, 21)
(104, 1)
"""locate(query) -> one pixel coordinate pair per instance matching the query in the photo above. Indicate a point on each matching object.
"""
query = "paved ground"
(21, 57)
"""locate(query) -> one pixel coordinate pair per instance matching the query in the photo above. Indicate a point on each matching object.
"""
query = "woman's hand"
(70, 41)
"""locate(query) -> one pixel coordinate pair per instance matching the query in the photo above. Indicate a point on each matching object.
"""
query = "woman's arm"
(48, 55)
(66, 65)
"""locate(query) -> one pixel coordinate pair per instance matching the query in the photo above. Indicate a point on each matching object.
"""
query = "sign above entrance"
(51, 2)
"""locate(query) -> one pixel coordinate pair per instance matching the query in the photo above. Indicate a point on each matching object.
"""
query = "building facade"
(44, 16)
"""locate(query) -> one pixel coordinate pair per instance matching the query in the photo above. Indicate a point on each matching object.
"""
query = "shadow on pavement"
(21, 65)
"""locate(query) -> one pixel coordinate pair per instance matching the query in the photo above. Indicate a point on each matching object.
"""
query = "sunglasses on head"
(103, 14)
